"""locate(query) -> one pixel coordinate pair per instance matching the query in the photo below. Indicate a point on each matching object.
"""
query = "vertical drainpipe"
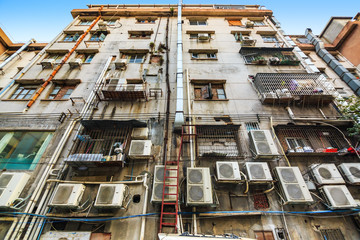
(16, 54)
(179, 114)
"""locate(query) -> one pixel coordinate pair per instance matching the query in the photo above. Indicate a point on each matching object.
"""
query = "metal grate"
(332, 234)
(310, 139)
(309, 87)
(252, 126)
(218, 141)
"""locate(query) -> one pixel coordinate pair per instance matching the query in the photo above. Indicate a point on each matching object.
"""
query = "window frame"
(198, 22)
(20, 89)
(71, 37)
(203, 56)
(98, 38)
(86, 57)
(84, 22)
(145, 21)
(258, 23)
(145, 35)
(133, 57)
(57, 94)
(270, 39)
(210, 87)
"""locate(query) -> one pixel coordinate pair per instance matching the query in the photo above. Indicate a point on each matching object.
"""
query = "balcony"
(116, 89)
(273, 56)
(311, 140)
(305, 88)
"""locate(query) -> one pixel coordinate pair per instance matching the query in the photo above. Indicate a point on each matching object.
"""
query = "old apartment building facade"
(178, 122)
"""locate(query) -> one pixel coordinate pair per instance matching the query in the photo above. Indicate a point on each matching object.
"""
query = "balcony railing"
(273, 56)
(311, 140)
(310, 88)
(122, 92)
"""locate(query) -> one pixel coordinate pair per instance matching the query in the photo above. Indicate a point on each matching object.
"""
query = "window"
(264, 235)
(23, 92)
(61, 92)
(134, 57)
(200, 36)
(332, 234)
(203, 56)
(198, 22)
(296, 144)
(140, 35)
(271, 38)
(22, 150)
(85, 57)
(237, 23)
(145, 20)
(355, 73)
(85, 22)
(71, 37)
(98, 37)
(209, 91)
(111, 22)
(58, 57)
(259, 23)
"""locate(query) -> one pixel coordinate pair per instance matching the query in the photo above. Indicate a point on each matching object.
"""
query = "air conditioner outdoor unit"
(120, 63)
(115, 84)
(258, 172)
(140, 133)
(110, 195)
(274, 60)
(351, 171)
(157, 190)
(11, 186)
(47, 63)
(140, 149)
(293, 186)
(326, 173)
(262, 144)
(338, 196)
(67, 195)
(199, 189)
(283, 93)
(76, 63)
(102, 25)
(269, 96)
(203, 36)
(249, 24)
(228, 171)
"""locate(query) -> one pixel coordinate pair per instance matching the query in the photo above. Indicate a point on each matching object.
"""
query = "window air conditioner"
(76, 63)
(157, 190)
(249, 24)
(203, 36)
(292, 185)
(120, 64)
(338, 197)
(199, 189)
(326, 174)
(67, 195)
(228, 171)
(140, 133)
(140, 149)
(262, 144)
(110, 196)
(258, 172)
(351, 171)
(47, 63)
(11, 186)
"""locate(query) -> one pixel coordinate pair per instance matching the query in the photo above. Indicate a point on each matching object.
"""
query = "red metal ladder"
(169, 216)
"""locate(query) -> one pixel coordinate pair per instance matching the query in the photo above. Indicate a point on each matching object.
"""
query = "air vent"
(228, 171)
(351, 172)
(292, 185)
(67, 195)
(199, 189)
(338, 197)
(262, 144)
(140, 133)
(11, 186)
(140, 149)
(110, 196)
(326, 173)
(258, 172)
(159, 181)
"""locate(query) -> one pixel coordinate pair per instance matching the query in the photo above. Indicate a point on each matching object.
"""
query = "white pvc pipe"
(142, 229)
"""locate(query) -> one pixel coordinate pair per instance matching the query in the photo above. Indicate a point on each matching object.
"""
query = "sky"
(44, 19)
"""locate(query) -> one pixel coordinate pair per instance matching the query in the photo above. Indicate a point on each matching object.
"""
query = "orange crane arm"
(56, 70)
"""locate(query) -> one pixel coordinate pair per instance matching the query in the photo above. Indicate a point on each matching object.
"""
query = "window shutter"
(102, 37)
(76, 36)
(205, 92)
(236, 37)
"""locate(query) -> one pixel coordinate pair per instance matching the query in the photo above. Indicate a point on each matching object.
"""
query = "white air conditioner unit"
(228, 171)
(283, 93)
(293, 186)
(258, 172)
(140, 149)
(157, 190)
(120, 64)
(11, 186)
(351, 171)
(249, 24)
(247, 40)
(115, 84)
(48, 63)
(262, 144)
(110, 195)
(76, 63)
(274, 60)
(102, 25)
(269, 96)
(203, 36)
(199, 189)
(67, 195)
(62, 235)
(338, 196)
(140, 133)
(326, 173)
